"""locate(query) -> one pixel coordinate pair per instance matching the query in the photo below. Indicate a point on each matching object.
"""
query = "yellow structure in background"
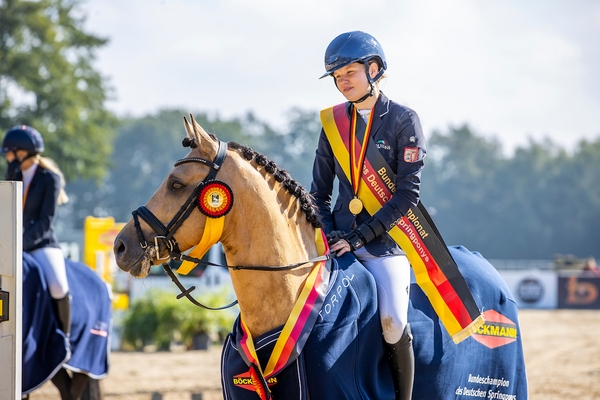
(98, 237)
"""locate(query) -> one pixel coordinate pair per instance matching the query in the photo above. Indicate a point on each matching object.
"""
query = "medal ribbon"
(356, 164)
(298, 326)
(436, 272)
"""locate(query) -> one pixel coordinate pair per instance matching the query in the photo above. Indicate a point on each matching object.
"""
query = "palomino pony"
(308, 324)
(333, 347)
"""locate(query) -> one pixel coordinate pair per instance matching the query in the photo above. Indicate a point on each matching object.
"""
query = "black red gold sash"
(436, 272)
(295, 331)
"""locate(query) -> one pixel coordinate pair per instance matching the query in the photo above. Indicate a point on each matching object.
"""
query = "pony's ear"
(200, 132)
(188, 127)
(206, 142)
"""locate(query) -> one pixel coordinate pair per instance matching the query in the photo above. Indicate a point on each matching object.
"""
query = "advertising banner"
(532, 288)
(578, 290)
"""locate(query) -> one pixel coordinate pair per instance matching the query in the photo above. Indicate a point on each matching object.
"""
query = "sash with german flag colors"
(295, 331)
(435, 270)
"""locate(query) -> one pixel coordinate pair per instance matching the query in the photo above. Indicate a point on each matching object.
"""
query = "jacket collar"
(382, 107)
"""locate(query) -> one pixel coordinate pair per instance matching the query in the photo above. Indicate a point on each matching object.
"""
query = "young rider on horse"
(42, 192)
(357, 63)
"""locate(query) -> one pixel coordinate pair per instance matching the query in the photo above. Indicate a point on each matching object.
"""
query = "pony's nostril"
(119, 247)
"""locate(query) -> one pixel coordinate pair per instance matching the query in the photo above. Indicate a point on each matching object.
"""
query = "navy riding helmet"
(23, 137)
(352, 47)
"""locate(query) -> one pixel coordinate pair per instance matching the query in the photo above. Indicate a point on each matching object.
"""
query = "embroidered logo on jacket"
(382, 144)
(411, 154)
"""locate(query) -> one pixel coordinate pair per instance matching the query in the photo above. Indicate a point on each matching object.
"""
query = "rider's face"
(352, 82)
(9, 156)
(20, 154)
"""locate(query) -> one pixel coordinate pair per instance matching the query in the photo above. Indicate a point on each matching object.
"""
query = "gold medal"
(355, 206)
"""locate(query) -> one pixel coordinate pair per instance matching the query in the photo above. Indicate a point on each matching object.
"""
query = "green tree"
(47, 80)
(458, 182)
(537, 203)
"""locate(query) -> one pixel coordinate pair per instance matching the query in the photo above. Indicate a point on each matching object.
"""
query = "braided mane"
(307, 204)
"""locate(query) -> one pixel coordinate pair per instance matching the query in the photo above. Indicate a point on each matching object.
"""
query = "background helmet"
(352, 47)
(23, 137)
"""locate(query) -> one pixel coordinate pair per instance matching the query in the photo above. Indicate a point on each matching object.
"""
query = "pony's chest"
(237, 382)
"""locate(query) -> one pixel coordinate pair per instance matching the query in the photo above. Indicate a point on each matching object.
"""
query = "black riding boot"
(63, 311)
(402, 362)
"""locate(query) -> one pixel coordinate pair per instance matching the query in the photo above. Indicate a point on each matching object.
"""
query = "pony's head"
(217, 182)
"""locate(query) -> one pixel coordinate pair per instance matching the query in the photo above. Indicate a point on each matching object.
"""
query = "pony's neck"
(270, 230)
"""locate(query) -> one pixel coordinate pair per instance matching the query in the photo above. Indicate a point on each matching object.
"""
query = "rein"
(165, 234)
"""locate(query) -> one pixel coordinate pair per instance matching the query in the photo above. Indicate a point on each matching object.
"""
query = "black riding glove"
(365, 233)
(14, 167)
(334, 236)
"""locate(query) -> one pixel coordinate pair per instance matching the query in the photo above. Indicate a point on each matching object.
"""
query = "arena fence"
(10, 294)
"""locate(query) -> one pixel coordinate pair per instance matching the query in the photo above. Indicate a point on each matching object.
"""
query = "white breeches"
(52, 261)
(392, 275)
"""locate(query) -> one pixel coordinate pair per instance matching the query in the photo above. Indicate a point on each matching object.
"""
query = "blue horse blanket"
(342, 359)
(489, 364)
(45, 347)
(344, 356)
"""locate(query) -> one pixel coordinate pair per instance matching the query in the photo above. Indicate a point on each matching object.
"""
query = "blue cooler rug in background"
(45, 347)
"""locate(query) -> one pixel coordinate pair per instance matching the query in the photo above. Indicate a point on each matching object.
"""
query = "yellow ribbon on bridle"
(213, 230)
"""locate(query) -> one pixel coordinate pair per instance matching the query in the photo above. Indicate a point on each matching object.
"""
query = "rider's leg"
(52, 261)
(392, 275)
(402, 362)
(63, 309)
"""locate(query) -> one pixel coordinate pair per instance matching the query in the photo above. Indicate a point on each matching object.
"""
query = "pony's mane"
(307, 204)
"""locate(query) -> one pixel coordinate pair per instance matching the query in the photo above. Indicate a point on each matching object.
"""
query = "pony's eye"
(177, 185)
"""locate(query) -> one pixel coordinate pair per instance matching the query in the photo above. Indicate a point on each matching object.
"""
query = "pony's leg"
(79, 383)
(92, 391)
(62, 381)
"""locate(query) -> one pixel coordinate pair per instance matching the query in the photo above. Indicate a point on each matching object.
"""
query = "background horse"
(47, 352)
(325, 346)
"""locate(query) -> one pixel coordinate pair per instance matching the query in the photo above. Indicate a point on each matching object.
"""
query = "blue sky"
(510, 69)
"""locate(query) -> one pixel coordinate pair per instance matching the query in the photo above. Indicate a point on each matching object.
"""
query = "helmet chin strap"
(366, 96)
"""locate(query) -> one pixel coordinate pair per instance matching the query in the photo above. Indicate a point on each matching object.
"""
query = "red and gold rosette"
(215, 199)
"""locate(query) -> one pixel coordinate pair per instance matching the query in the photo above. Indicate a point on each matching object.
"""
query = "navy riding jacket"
(396, 131)
(39, 210)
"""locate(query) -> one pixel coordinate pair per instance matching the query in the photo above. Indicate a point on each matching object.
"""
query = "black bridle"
(165, 235)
